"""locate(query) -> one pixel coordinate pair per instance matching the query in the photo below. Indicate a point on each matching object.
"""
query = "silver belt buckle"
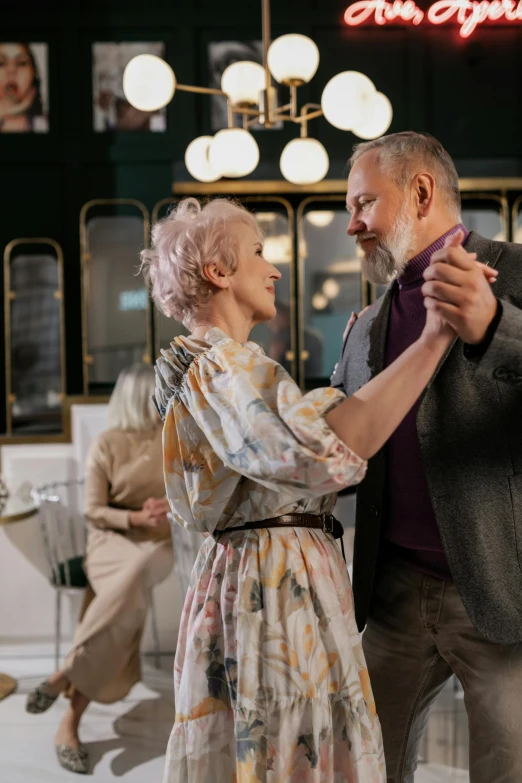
(328, 523)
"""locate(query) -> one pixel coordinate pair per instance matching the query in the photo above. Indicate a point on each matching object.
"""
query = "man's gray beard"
(389, 258)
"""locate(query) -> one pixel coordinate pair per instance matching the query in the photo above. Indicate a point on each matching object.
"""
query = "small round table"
(13, 509)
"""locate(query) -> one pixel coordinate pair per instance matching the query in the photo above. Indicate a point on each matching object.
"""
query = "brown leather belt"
(325, 522)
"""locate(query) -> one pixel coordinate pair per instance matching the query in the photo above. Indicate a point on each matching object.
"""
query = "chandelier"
(349, 102)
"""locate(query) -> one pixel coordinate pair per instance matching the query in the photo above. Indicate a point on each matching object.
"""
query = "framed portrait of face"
(24, 88)
(221, 54)
(111, 109)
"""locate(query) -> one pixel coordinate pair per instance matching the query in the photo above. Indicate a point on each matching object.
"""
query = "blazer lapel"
(488, 252)
(378, 334)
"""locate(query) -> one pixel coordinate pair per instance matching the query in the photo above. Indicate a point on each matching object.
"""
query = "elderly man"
(438, 544)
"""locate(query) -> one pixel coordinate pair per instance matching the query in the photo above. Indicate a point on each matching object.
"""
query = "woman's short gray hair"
(130, 406)
(399, 154)
(183, 243)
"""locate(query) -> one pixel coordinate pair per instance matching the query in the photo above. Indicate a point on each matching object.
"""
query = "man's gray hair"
(401, 154)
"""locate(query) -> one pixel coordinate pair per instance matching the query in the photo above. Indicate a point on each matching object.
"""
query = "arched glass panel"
(331, 285)
(116, 306)
(35, 352)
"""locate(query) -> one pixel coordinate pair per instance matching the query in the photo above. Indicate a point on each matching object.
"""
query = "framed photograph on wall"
(221, 54)
(111, 110)
(24, 88)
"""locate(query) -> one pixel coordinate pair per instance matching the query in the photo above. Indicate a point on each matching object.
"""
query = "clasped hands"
(458, 289)
(153, 514)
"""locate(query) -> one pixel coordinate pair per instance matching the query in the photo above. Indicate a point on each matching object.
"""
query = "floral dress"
(270, 680)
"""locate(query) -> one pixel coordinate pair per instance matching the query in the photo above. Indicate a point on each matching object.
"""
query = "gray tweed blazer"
(469, 425)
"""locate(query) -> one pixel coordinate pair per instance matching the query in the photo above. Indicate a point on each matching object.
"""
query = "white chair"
(64, 533)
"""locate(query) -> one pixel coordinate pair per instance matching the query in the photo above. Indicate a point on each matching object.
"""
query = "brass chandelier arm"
(275, 118)
(250, 123)
(302, 120)
(266, 36)
(200, 90)
(293, 101)
(246, 112)
(304, 109)
(255, 114)
(231, 110)
(305, 117)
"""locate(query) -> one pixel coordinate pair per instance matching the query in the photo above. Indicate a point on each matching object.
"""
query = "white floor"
(125, 740)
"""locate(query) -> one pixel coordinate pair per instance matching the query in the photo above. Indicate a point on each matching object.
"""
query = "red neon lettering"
(384, 12)
(509, 10)
(411, 12)
(359, 12)
(471, 13)
(468, 13)
(479, 14)
(442, 11)
(496, 11)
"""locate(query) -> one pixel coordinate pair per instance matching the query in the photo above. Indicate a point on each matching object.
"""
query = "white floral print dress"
(270, 680)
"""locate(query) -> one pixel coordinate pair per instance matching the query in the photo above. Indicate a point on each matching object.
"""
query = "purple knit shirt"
(411, 530)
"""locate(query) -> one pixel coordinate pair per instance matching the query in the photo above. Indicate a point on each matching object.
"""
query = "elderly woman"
(270, 679)
(128, 552)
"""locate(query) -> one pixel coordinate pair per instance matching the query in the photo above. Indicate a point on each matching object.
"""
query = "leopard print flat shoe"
(73, 760)
(40, 699)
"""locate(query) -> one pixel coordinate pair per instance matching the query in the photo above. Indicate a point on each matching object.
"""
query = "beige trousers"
(104, 661)
(418, 635)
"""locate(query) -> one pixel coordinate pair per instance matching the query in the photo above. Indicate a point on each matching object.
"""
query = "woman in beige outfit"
(128, 551)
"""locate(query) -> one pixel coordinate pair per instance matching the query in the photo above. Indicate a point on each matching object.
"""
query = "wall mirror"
(277, 337)
(331, 285)
(34, 337)
(116, 310)
(516, 220)
(165, 329)
(487, 214)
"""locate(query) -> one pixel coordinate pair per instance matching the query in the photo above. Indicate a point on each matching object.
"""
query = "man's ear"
(424, 192)
(215, 273)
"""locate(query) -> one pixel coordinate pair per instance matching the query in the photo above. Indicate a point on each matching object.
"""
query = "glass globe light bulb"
(380, 120)
(148, 82)
(233, 152)
(242, 82)
(197, 161)
(347, 99)
(293, 59)
(304, 161)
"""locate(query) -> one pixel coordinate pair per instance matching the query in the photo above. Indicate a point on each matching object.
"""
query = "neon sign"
(468, 13)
